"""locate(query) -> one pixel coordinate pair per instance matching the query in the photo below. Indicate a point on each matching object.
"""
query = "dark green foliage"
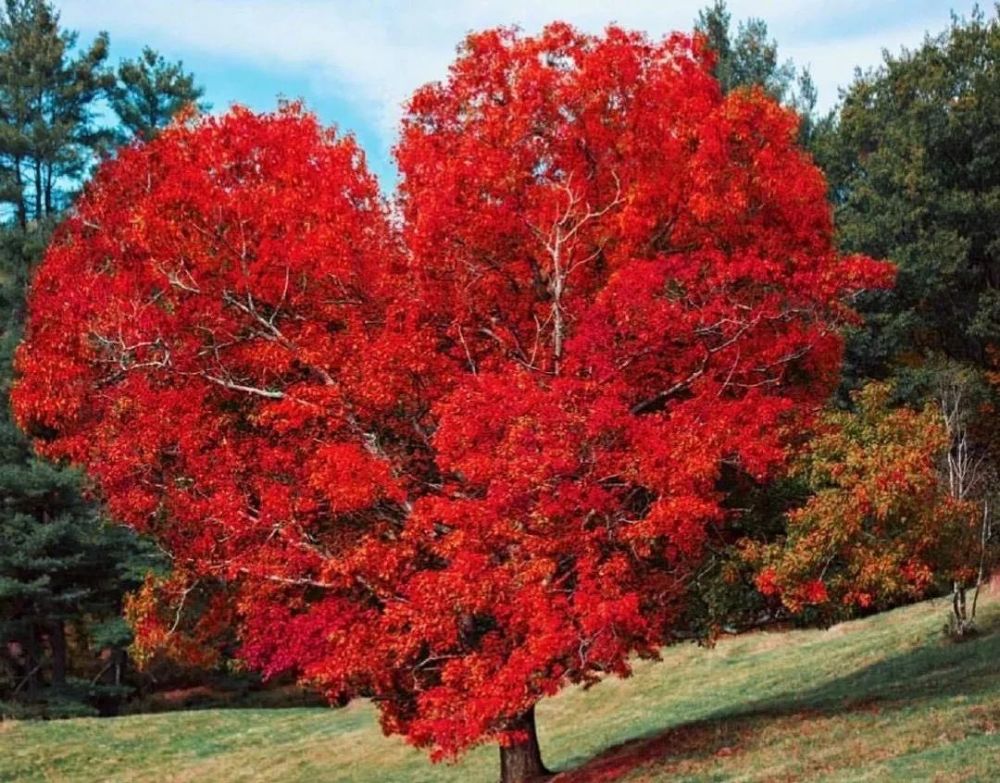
(914, 169)
(49, 93)
(724, 596)
(749, 58)
(150, 91)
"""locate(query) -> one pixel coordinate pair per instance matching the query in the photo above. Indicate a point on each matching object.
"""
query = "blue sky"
(355, 62)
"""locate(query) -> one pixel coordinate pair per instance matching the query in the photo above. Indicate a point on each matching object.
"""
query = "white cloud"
(374, 54)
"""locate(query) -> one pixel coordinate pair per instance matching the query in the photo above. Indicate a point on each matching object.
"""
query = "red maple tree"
(457, 466)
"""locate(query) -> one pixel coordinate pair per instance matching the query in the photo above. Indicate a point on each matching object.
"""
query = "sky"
(355, 62)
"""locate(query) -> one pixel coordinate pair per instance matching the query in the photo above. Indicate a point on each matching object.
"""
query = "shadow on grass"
(938, 670)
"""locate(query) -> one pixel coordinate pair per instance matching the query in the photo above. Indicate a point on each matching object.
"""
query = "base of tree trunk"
(57, 644)
(962, 624)
(522, 761)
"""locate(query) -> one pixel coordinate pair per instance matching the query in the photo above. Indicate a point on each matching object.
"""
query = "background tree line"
(911, 156)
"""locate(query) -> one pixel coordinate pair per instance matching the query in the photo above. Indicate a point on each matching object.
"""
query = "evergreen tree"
(715, 22)
(749, 57)
(914, 169)
(49, 94)
(150, 91)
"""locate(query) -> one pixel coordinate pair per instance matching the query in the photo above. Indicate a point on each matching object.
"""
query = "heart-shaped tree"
(459, 465)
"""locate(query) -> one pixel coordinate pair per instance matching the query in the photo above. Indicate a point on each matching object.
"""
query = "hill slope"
(885, 698)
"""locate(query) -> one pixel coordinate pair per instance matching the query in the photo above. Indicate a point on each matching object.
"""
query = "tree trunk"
(39, 187)
(960, 624)
(57, 643)
(48, 190)
(22, 207)
(31, 663)
(522, 761)
(120, 657)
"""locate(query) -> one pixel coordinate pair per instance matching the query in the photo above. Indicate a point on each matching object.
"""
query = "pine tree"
(914, 167)
(748, 57)
(49, 94)
(150, 91)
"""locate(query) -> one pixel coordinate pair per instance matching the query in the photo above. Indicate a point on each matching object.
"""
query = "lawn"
(881, 699)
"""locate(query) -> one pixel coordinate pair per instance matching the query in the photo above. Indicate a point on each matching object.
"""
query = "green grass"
(881, 699)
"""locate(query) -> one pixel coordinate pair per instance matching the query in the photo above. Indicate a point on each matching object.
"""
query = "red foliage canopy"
(462, 467)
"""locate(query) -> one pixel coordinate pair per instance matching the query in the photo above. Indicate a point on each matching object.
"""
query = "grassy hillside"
(886, 698)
